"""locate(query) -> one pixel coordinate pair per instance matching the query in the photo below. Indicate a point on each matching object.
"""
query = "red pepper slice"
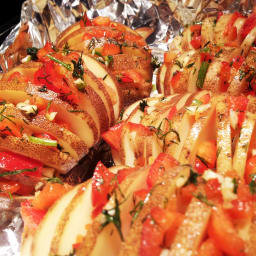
(249, 24)
(112, 136)
(11, 162)
(175, 78)
(237, 62)
(85, 21)
(231, 22)
(172, 112)
(224, 76)
(102, 185)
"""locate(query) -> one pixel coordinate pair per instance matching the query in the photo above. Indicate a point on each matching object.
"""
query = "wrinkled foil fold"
(44, 20)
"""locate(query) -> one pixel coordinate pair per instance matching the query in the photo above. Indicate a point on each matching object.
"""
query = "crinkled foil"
(43, 20)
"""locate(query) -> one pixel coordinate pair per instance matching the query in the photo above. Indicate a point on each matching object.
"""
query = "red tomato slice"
(157, 169)
(250, 169)
(240, 210)
(208, 248)
(205, 99)
(12, 162)
(140, 129)
(110, 49)
(141, 194)
(231, 22)
(172, 112)
(237, 103)
(151, 239)
(186, 193)
(237, 62)
(122, 174)
(213, 190)
(196, 42)
(113, 135)
(31, 216)
(224, 76)
(103, 184)
(49, 195)
(200, 167)
(249, 24)
(224, 235)
(175, 79)
(9, 186)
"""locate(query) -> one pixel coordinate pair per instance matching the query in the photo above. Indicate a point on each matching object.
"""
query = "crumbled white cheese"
(26, 59)
(233, 116)
(180, 182)
(51, 116)
(253, 152)
(227, 189)
(27, 108)
(79, 81)
(209, 174)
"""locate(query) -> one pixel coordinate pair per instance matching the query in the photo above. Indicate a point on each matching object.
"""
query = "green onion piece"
(41, 141)
(3, 174)
(202, 74)
(65, 65)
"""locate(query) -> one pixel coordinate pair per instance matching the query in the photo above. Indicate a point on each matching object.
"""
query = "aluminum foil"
(43, 20)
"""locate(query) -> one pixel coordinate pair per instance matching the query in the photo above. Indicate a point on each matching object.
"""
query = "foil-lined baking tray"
(44, 20)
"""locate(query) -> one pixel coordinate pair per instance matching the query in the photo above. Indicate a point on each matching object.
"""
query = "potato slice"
(203, 128)
(15, 92)
(98, 240)
(161, 77)
(101, 72)
(26, 244)
(242, 146)
(224, 145)
(145, 32)
(220, 28)
(248, 41)
(75, 219)
(101, 91)
(64, 34)
(40, 124)
(50, 156)
(207, 30)
(44, 234)
(192, 230)
(157, 197)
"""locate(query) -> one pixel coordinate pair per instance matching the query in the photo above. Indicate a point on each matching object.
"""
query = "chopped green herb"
(143, 104)
(202, 74)
(136, 210)
(197, 102)
(178, 63)
(113, 216)
(78, 71)
(192, 178)
(43, 89)
(32, 51)
(242, 74)
(190, 65)
(54, 180)
(202, 160)
(203, 198)
(3, 102)
(75, 110)
(3, 174)
(252, 184)
(65, 65)
(43, 141)
(155, 63)
(66, 50)
(235, 182)
(217, 55)
(108, 59)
